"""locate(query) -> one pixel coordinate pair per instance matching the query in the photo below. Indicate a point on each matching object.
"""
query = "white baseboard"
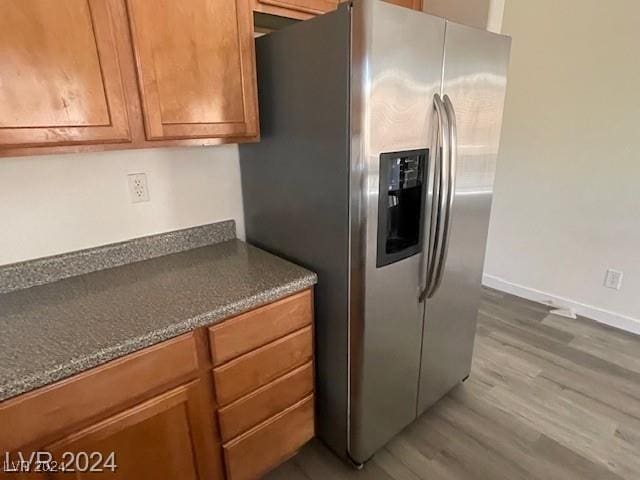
(607, 317)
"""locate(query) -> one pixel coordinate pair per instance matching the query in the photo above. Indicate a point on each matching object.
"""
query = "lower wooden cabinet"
(154, 414)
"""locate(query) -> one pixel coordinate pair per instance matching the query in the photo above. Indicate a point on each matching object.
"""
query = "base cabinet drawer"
(255, 369)
(251, 330)
(262, 448)
(258, 406)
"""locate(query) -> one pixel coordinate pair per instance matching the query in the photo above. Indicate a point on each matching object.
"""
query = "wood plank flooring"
(548, 398)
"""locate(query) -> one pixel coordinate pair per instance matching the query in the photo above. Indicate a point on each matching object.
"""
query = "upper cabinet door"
(299, 9)
(195, 66)
(305, 9)
(60, 77)
(413, 4)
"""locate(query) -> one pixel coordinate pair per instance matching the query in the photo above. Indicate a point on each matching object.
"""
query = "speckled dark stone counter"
(52, 331)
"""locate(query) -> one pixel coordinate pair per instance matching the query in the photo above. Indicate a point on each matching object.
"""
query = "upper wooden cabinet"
(195, 67)
(305, 9)
(413, 4)
(60, 74)
(80, 75)
(298, 9)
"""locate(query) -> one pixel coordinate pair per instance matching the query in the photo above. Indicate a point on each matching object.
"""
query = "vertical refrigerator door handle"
(451, 192)
(433, 237)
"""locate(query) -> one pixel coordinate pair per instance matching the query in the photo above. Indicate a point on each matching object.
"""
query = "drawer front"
(259, 367)
(267, 445)
(265, 402)
(258, 327)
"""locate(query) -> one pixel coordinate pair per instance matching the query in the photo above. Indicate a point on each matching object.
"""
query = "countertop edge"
(82, 364)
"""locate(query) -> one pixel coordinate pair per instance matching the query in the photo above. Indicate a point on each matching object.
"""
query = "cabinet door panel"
(60, 74)
(166, 437)
(413, 4)
(195, 67)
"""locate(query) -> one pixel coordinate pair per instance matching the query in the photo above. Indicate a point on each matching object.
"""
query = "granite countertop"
(52, 331)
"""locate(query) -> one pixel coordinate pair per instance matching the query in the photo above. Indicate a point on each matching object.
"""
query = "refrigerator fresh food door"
(473, 90)
(396, 70)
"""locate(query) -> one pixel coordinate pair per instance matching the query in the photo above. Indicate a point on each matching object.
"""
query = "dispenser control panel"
(401, 204)
(406, 172)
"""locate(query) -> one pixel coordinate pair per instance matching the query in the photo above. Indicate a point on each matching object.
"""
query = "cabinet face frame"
(150, 97)
(103, 17)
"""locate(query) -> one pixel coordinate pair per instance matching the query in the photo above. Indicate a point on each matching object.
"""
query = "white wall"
(567, 197)
(468, 12)
(58, 203)
(485, 14)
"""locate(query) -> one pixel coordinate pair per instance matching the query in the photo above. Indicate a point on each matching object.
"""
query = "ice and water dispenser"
(401, 204)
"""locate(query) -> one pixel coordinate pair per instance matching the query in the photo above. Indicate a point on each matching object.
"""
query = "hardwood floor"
(548, 398)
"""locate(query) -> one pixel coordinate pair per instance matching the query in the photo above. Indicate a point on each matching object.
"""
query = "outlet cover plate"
(138, 188)
(613, 279)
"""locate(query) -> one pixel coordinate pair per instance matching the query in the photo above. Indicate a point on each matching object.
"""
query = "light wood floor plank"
(548, 398)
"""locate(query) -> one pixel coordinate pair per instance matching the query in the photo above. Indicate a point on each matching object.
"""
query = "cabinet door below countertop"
(166, 437)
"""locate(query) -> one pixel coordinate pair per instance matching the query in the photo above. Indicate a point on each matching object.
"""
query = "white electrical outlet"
(138, 189)
(613, 279)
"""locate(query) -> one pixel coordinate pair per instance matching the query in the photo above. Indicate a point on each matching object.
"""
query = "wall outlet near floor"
(138, 189)
(613, 279)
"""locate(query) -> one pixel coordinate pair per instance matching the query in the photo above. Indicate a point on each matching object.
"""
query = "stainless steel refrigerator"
(380, 128)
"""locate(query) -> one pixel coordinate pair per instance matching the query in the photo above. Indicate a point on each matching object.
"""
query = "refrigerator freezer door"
(475, 75)
(397, 69)
(295, 190)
